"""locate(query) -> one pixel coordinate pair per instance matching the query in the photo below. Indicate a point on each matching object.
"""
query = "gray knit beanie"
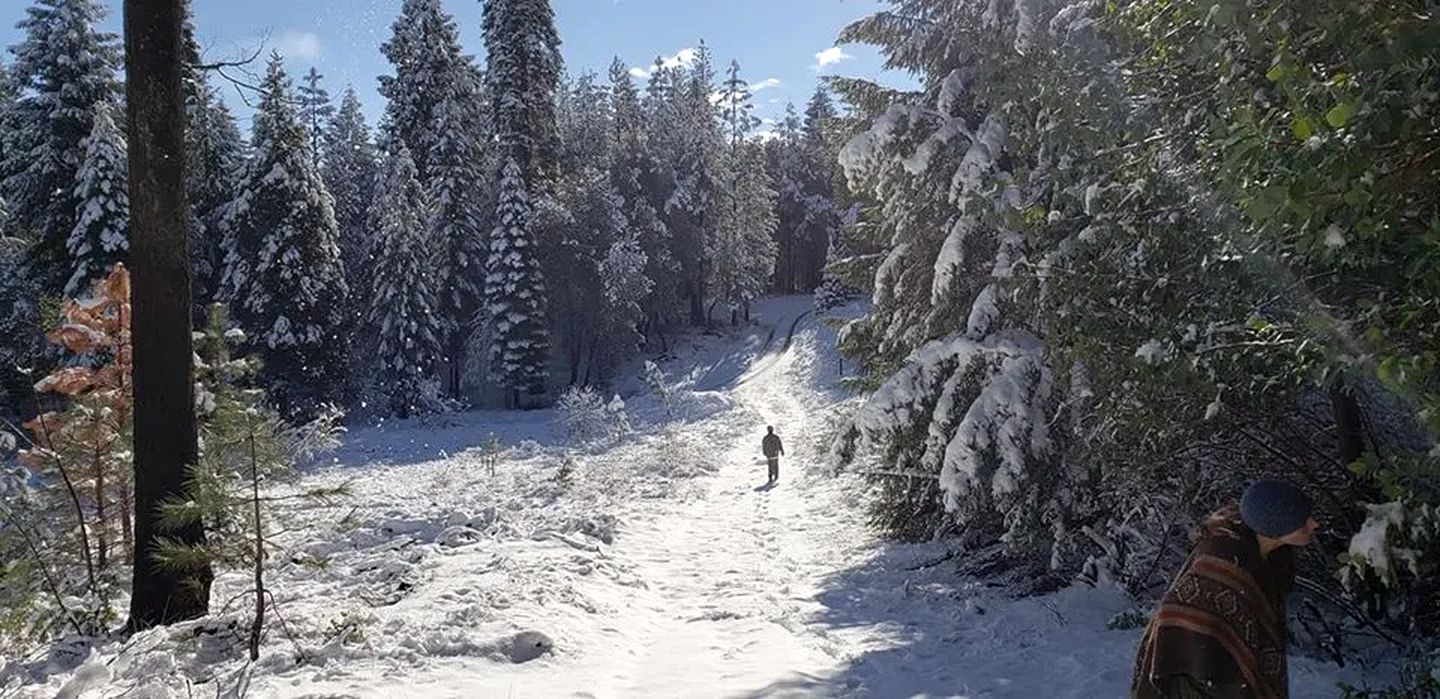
(1274, 508)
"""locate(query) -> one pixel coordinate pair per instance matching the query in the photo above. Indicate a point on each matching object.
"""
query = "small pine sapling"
(565, 476)
(248, 459)
(491, 453)
(655, 379)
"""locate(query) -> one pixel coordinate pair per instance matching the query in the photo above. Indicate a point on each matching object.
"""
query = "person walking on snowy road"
(773, 450)
(1220, 629)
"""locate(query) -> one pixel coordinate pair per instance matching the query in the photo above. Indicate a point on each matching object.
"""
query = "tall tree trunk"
(1349, 428)
(165, 441)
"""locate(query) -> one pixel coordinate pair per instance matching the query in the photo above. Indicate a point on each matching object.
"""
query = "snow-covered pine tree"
(635, 174)
(625, 287)
(523, 55)
(834, 290)
(524, 71)
(63, 68)
(436, 105)
(424, 48)
(575, 224)
(685, 133)
(515, 293)
(459, 188)
(788, 166)
(403, 299)
(316, 111)
(963, 427)
(284, 278)
(101, 236)
(215, 160)
(822, 210)
(741, 249)
(349, 168)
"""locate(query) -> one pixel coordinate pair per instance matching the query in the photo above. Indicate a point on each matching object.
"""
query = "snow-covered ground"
(661, 568)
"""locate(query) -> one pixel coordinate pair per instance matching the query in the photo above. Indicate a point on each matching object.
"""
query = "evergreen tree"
(523, 51)
(349, 168)
(316, 111)
(284, 277)
(215, 160)
(515, 292)
(459, 189)
(424, 48)
(101, 236)
(697, 179)
(437, 107)
(63, 69)
(636, 176)
(741, 249)
(403, 299)
(819, 224)
(524, 71)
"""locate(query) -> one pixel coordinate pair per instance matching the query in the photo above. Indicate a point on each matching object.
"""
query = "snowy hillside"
(665, 568)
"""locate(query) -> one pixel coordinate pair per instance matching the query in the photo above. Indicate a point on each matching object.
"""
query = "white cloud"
(297, 45)
(765, 84)
(683, 57)
(829, 56)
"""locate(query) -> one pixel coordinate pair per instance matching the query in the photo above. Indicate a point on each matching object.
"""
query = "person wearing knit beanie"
(1279, 514)
(1220, 628)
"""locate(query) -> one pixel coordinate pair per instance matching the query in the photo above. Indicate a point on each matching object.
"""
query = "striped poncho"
(1220, 629)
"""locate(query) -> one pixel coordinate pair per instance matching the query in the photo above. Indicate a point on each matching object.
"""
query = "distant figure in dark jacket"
(1220, 629)
(773, 451)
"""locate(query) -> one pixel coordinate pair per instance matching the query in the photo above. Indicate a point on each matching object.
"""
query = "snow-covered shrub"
(659, 385)
(565, 475)
(589, 418)
(583, 414)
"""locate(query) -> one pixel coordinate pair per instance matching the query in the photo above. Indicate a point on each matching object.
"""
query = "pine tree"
(820, 223)
(215, 161)
(515, 292)
(316, 111)
(349, 168)
(458, 186)
(741, 249)
(524, 71)
(284, 278)
(437, 106)
(688, 135)
(523, 52)
(101, 236)
(404, 296)
(635, 173)
(63, 69)
(424, 48)
(625, 287)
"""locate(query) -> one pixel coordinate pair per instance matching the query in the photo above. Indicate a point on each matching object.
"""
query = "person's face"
(1304, 535)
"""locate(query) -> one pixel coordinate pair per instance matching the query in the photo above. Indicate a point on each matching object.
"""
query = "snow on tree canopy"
(101, 236)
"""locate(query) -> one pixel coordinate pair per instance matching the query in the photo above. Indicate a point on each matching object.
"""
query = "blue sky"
(780, 43)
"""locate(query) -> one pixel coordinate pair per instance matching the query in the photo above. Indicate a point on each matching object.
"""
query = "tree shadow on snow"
(415, 441)
(951, 636)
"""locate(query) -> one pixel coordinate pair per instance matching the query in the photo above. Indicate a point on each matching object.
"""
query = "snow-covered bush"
(659, 385)
(589, 418)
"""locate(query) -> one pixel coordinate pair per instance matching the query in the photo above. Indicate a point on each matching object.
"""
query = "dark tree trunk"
(164, 405)
(1348, 424)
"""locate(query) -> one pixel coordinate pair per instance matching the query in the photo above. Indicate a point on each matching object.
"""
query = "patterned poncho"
(1220, 628)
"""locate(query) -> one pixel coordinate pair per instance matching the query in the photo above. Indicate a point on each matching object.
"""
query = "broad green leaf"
(1340, 114)
(1302, 128)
